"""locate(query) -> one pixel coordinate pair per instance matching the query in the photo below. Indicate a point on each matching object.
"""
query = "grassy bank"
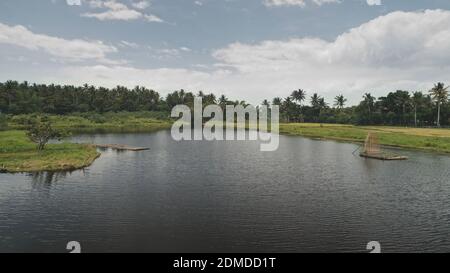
(18, 154)
(437, 140)
(101, 123)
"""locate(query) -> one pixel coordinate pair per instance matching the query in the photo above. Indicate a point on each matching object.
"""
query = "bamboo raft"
(120, 147)
(372, 150)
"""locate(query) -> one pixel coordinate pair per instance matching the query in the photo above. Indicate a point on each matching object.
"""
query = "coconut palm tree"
(223, 100)
(440, 96)
(340, 101)
(369, 101)
(298, 96)
(402, 101)
(315, 100)
(322, 103)
(417, 101)
(277, 101)
(288, 107)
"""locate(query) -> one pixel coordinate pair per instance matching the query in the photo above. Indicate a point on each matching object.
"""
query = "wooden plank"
(383, 157)
(121, 147)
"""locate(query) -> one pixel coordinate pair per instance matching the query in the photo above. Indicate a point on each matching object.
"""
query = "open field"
(18, 154)
(437, 140)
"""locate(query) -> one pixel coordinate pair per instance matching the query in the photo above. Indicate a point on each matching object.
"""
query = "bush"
(23, 119)
(96, 118)
(41, 132)
(3, 122)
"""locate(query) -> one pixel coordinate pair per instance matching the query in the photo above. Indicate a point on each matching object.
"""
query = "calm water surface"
(309, 196)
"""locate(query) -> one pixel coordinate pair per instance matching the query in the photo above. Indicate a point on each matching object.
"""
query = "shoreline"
(19, 155)
(51, 166)
(71, 156)
(388, 137)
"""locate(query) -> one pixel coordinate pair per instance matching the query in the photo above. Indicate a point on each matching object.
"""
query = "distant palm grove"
(404, 108)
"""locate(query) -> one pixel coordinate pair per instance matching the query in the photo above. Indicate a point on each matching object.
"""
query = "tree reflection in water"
(47, 179)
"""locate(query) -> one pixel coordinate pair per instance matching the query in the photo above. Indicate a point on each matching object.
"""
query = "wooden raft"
(372, 150)
(121, 147)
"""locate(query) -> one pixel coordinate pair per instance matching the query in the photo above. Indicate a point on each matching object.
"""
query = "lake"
(309, 196)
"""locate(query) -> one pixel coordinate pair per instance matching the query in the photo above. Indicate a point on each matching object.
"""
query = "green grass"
(437, 140)
(98, 123)
(18, 154)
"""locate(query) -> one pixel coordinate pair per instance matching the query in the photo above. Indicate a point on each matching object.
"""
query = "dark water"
(309, 196)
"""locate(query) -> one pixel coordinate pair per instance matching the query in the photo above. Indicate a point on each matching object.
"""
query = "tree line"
(22, 98)
(400, 108)
(431, 108)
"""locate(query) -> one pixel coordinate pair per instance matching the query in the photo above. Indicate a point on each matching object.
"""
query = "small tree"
(440, 96)
(41, 132)
(3, 122)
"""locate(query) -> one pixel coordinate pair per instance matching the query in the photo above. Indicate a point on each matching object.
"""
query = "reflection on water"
(46, 179)
(309, 196)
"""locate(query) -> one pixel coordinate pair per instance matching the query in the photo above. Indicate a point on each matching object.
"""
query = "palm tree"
(209, 99)
(440, 96)
(277, 101)
(315, 100)
(322, 103)
(369, 100)
(266, 103)
(403, 100)
(288, 107)
(340, 101)
(317, 103)
(298, 96)
(223, 101)
(417, 101)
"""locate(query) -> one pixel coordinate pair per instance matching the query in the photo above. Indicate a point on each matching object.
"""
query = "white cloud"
(321, 2)
(399, 39)
(277, 3)
(298, 3)
(303, 3)
(141, 4)
(374, 2)
(153, 18)
(401, 50)
(73, 2)
(128, 44)
(67, 50)
(164, 79)
(168, 53)
(118, 11)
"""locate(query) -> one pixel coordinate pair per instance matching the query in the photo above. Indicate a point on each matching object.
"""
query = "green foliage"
(100, 123)
(98, 107)
(3, 122)
(23, 98)
(41, 132)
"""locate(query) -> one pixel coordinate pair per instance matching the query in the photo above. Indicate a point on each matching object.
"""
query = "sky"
(246, 49)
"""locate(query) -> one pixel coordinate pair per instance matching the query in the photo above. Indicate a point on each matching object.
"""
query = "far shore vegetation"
(401, 118)
(79, 123)
(429, 139)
